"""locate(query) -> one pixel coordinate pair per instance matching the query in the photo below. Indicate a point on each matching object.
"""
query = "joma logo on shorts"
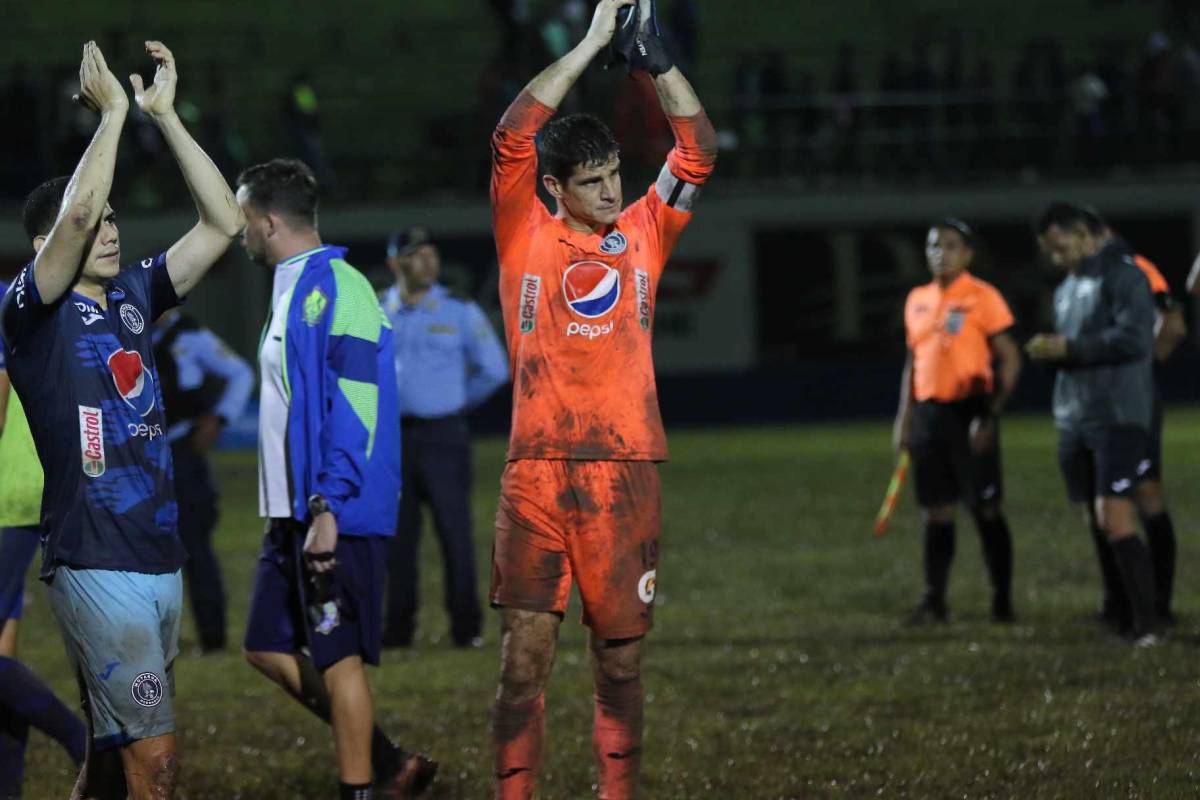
(531, 290)
(91, 440)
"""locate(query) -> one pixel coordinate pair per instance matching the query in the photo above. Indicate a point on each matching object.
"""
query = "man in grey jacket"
(1103, 393)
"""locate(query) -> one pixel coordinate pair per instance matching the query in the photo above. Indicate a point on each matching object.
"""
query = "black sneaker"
(927, 613)
(1003, 615)
(410, 779)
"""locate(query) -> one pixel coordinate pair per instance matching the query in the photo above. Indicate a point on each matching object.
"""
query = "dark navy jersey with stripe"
(86, 378)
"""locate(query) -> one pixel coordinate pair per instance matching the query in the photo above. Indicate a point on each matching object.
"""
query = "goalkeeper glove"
(638, 40)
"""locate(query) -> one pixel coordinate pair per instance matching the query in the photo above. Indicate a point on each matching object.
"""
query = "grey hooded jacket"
(1106, 312)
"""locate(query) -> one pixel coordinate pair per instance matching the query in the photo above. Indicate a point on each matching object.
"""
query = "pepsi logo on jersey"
(132, 380)
(591, 288)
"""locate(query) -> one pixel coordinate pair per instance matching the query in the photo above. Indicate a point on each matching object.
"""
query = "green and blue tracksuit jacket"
(343, 430)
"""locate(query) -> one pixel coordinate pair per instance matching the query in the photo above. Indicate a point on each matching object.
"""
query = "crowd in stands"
(944, 109)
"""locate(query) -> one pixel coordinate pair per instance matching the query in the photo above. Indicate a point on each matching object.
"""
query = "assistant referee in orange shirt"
(962, 366)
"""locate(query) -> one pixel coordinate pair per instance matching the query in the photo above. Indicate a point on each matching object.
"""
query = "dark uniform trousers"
(436, 471)
(197, 497)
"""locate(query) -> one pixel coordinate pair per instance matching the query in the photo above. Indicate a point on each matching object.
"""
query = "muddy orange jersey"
(1158, 284)
(579, 306)
(948, 331)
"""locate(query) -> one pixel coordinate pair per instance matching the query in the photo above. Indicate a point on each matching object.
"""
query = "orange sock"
(518, 731)
(617, 737)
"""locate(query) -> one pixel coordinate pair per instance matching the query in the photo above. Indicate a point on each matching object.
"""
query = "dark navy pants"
(436, 472)
(197, 497)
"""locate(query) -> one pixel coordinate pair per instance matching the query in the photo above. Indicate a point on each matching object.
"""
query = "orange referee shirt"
(948, 331)
(579, 306)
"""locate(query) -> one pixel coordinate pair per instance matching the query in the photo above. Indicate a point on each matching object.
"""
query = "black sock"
(939, 552)
(1116, 603)
(386, 757)
(1160, 535)
(355, 791)
(1133, 560)
(998, 556)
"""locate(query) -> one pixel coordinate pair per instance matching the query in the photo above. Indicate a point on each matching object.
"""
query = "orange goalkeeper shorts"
(596, 522)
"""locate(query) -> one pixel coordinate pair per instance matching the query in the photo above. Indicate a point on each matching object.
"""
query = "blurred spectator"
(845, 110)
(891, 117)
(954, 84)
(228, 148)
(683, 33)
(773, 84)
(1088, 93)
(645, 136)
(302, 126)
(923, 83)
(747, 110)
(1158, 111)
(983, 114)
(25, 165)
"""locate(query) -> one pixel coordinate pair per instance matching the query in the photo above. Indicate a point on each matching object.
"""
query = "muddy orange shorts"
(596, 522)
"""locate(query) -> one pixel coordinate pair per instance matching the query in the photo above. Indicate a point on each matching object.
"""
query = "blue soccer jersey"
(86, 378)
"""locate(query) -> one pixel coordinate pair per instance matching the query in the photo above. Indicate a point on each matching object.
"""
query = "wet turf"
(776, 669)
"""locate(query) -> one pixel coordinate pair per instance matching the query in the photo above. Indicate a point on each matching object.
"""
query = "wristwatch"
(317, 505)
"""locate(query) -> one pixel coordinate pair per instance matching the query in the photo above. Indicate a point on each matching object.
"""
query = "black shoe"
(1003, 615)
(473, 643)
(391, 639)
(927, 613)
(412, 777)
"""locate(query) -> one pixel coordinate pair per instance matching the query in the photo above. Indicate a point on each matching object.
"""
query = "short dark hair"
(42, 207)
(1068, 215)
(955, 224)
(286, 186)
(572, 140)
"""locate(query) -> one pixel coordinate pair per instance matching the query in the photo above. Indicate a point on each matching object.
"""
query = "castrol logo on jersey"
(91, 440)
(642, 281)
(531, 290)
(591, 288)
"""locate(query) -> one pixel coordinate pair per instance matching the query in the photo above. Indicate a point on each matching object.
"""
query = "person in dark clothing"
(204, 384)
(1103, 391)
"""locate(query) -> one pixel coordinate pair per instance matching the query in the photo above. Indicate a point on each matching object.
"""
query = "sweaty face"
(592, 195)
(420, 269)
(946, 252)
(1066, 248)
(254, 235)
(103, 258)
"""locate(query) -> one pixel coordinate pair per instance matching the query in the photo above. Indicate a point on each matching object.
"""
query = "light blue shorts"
(121, 630)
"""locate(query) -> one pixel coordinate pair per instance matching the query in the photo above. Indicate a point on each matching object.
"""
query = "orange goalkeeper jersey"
(579, 306)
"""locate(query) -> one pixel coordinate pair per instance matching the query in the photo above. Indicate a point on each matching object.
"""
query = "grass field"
(776, 669)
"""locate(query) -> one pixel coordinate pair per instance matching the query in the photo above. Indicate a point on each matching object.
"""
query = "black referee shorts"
(1150, 467)
(1102, 461)
(945, 469)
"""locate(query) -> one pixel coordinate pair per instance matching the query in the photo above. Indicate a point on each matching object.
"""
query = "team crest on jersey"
(133, 380)
(314, 306)
(642, 283)
(146, 690)
(954, 320)
(91, 440)
(531, 291)
(614, 244)
(132, 318)
(647, 586)
(591, 288)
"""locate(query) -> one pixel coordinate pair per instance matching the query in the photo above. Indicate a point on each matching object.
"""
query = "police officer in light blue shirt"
(448, 360)
(205, 385)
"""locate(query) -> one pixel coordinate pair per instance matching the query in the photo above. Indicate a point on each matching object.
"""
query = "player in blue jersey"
(77, 327)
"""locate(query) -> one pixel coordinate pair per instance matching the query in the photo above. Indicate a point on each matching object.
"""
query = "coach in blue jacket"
(329, 478)
(448, 360)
